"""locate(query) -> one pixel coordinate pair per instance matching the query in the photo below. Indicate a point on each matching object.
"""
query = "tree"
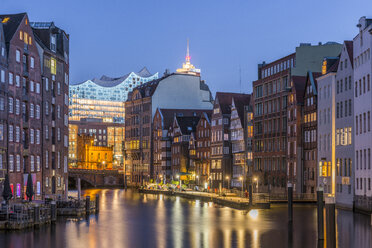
(7, 191)
(29, 189)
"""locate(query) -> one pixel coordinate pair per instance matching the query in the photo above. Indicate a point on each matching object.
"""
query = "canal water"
(130, 219)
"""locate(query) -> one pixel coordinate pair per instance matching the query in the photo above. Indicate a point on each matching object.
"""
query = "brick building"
(163, 119)
(294, 132)
(53, 46)
(270, 93)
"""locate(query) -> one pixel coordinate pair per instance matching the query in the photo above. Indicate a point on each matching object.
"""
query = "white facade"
(362, 45)
(345, 129)
(326, 121)
(181, 91)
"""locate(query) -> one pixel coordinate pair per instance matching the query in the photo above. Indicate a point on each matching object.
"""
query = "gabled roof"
(225, 100)
(311, 78)
(349, 48)
(169, 114)
(299, 85)
(11, 26)
(187, 124)
(240, 103)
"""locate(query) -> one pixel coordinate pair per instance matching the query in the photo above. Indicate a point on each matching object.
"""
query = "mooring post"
(330, 207)
(87, 204)
(97, 203)
(319, 195)
(79, 188)
(250, 192)
(290, 202)
(37, 214)
(53, 211)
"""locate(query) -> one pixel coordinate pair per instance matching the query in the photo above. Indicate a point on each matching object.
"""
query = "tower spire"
(188, 51)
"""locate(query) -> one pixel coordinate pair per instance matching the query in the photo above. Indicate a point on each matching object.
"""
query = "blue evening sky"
(114, 37)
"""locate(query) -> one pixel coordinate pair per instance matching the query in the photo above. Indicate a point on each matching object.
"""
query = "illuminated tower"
(187, 67)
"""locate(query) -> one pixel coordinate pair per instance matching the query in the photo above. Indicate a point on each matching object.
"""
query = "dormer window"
(53, 43)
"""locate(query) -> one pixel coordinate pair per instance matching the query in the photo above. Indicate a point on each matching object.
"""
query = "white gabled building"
(362, 45)
(344, 128)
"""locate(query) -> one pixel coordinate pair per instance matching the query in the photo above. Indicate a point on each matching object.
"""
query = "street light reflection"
(253, 214)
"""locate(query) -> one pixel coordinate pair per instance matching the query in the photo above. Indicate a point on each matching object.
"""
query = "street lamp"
(256, 180)
(241, 179)
(197, 177)
(228, 182)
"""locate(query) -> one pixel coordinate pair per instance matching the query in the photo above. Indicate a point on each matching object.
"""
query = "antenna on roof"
(240, 78)
(188, 51)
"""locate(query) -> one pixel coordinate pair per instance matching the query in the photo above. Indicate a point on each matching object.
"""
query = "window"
(53, 66)
(18, 56)
(17, 110)
(37, 88)
(46, 108)
(31, 110)
(2, 76)
(37, 111)
(32, 86)
(58, 88)
(46, 84)
(32, 161)
(18, 162)
(11, 162)
(2, 104)
(10, 105)
(11, 78)
(18, 134)
(32, 136)
(46, 159)
(58, 112)
(1, 131)
(10, 133)
(38, 163)
(32, 62)
(38, 137)
(46, 132)
(18, 81)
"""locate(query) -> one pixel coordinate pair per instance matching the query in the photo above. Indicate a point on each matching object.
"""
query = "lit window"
(20, 35)
(53, 66)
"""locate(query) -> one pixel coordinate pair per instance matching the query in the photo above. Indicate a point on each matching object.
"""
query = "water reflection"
(129, 219)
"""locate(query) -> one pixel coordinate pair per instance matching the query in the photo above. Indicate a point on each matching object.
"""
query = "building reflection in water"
(130, 219)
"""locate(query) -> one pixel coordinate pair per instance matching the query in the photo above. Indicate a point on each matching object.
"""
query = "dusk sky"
(114, 37)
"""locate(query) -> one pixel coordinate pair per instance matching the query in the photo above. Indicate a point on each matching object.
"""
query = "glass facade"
(104, 98)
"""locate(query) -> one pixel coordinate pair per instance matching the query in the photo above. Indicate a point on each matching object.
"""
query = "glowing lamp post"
(256, 180)
(178, 176)
(241, 179)
(228, 182)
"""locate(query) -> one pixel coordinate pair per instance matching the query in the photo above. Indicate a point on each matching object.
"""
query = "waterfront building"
(344, 129)
(270, 94)
(22, 84)
(3, 105)
(163, 119)
(324, 123)
(179, 133)
(53, 46)
(362, 65)
(294, 134)
(104, 98)
(91, 156)
(109, 135)
(178, 91)
(202, 146)
(221, 156)
(240, 162)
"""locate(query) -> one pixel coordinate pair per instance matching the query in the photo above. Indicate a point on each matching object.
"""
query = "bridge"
(96, 178)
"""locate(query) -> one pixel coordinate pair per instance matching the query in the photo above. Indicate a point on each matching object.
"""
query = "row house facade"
(163, 119)
(240, 162)
(362, 65)
(270, 94)
(202, 146)
(53, 46)
(180, 133)
(23, 118)
(294, 133)
(3, 104)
